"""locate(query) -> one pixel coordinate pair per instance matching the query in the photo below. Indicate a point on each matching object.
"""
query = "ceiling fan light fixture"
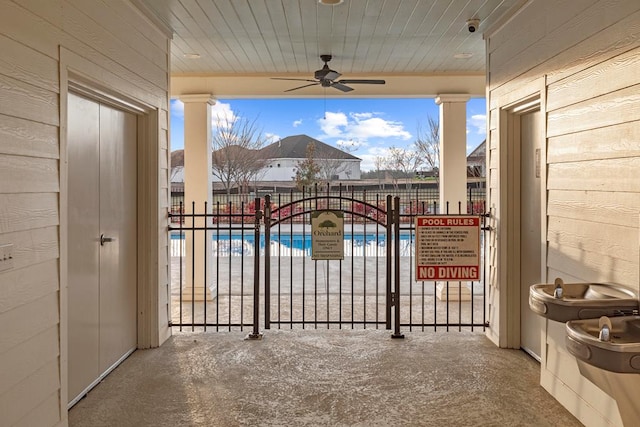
(330, 2)
(326, 77)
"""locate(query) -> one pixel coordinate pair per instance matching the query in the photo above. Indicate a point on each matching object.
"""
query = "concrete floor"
(323, 378)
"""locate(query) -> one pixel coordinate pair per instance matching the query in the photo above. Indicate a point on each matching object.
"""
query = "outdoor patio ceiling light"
(330, 2)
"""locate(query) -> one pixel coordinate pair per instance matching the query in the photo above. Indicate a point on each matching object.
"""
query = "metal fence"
(261, 263)
(423, 200)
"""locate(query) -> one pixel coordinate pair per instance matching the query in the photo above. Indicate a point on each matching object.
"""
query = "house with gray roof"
(477, 161)
(283, 157)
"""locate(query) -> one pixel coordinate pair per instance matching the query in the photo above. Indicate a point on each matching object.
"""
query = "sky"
(368, 127)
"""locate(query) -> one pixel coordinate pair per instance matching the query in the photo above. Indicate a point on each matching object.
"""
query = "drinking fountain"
(562, 302)
(607, 351)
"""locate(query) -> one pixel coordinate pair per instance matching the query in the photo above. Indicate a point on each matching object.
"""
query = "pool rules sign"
(448, 247)
(327, 234)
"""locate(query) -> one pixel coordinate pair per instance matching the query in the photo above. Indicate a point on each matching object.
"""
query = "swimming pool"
(295, 244)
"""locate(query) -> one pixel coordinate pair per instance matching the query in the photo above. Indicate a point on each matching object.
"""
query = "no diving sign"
(448, 247)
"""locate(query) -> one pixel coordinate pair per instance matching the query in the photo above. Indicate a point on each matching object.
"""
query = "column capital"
(454, 97)
(198, 97)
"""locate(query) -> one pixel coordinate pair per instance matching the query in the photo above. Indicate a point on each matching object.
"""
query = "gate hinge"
(393, 298)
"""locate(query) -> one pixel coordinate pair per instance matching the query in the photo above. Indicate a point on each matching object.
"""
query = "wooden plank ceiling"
(382, 39)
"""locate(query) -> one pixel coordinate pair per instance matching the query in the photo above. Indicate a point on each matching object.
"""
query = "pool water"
(299, 244)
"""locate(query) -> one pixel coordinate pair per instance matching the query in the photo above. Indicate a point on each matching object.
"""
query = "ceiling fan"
(326, 77)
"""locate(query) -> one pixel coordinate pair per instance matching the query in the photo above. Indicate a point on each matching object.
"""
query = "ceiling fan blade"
(297, 80)
(341, 87)
(355, 82)
(300, 87)
(331, 75)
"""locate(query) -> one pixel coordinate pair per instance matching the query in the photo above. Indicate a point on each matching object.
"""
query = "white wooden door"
(530, 228)
(102, 292)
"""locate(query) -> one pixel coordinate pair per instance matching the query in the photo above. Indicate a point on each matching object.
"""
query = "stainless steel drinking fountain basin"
(562, 302)
(607, 352)
(616, 350)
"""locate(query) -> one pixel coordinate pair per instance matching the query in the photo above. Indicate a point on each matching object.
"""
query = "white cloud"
(222, 114)
(333, 124)
(477, 124)
(270, 138)
(177, 108)
(375, 127)
(297, 123)
(360, 116)
(360, 127)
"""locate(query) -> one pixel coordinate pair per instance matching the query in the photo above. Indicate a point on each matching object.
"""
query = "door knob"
(104, 239)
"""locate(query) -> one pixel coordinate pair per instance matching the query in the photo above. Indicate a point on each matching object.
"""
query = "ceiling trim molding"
(163, 26)
(260, 86)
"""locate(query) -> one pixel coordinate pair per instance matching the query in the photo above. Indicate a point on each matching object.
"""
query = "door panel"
(118, 260)
(102, 182)
(530, 228)
(83, 247)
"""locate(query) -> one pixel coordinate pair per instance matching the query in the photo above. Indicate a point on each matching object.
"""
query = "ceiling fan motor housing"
(321, 74)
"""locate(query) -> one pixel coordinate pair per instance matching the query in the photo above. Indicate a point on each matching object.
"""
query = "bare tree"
(403, 162)
(379, 163)
(330, 168)
(251, 169)
(428, 144)
(235, 152)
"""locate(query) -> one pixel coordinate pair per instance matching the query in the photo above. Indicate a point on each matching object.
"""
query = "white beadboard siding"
(586, 53)
(24, 100)
(589, 55)
(28, 65)
(589, 266)
(24, 211)
(600, 79)
(47, 410)
(30, 356)
(615, 208)
(25, 285)
(27, 321)
(588, 145)
(615, 107)
(613, 242)
(598, 175)
(563, 25)
(30, 393)
(32, 246)
(117, 48)
(28, 138)
(21, 174)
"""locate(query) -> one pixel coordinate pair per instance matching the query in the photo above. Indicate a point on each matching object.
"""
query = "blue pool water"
(299, 240)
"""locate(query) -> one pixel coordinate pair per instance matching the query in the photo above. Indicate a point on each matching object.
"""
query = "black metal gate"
(313, 293)
(261, 262)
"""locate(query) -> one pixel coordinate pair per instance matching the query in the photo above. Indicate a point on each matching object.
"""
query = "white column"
(453, 152)
(197, 188)
(453, 171)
